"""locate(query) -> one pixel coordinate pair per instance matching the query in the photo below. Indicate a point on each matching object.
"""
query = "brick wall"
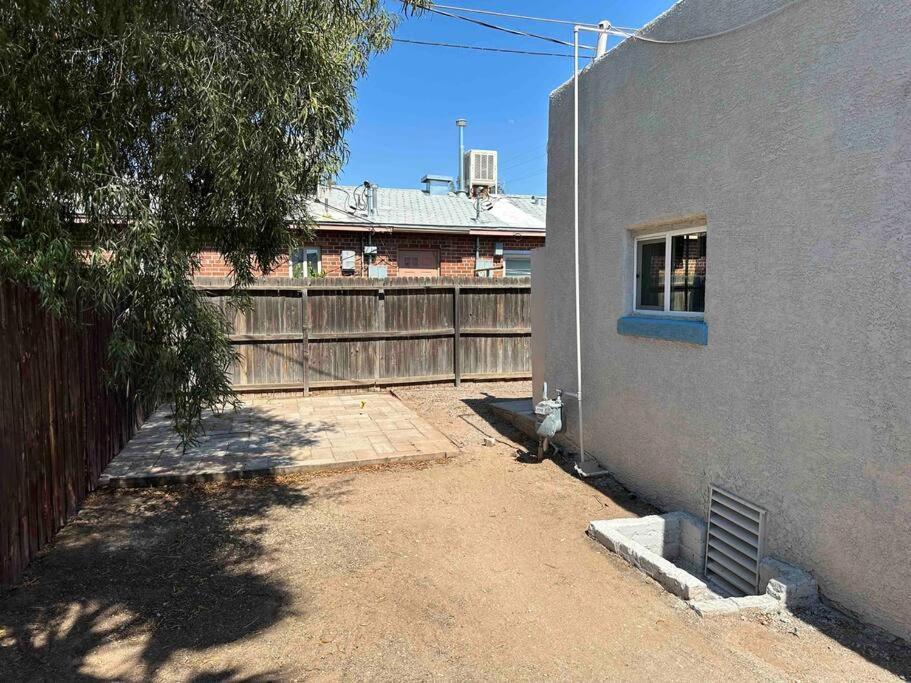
(457, 252)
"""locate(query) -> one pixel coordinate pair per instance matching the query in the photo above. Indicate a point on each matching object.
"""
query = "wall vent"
(734, 546)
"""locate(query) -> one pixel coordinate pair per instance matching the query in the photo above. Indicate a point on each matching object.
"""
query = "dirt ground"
(473, 568)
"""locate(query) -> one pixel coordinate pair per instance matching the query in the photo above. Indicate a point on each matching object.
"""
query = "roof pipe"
(601, 47)
(461, 124)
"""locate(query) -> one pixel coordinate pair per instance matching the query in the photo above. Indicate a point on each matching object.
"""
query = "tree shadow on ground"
(876, 646)
(159, 571)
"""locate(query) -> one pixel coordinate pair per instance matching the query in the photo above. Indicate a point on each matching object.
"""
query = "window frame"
(517, 253)
(436, 251)
(306, 248)
(668, 236)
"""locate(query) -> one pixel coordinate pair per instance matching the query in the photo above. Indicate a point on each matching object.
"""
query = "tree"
(134, 133)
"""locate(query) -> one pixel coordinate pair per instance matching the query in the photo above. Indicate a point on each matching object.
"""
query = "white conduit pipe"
(583, 467)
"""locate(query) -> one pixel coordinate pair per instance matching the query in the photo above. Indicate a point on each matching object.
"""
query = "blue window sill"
(668, 329)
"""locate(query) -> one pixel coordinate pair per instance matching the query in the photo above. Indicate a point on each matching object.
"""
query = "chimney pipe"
(601, 46)
(461, 123)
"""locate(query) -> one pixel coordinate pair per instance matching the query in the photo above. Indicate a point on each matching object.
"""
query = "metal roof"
(404, 208)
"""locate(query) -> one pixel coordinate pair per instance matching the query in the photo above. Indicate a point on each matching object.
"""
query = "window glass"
(305, 262)
(688, 272)
(650, 274)
(518, 266)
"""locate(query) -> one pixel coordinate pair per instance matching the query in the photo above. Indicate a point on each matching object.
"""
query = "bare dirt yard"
(473, 568)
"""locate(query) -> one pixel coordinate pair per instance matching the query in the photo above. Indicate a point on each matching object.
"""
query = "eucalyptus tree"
(134, 132)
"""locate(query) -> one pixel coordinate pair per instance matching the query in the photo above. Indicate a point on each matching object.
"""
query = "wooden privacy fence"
(60, 425)
(345, 332)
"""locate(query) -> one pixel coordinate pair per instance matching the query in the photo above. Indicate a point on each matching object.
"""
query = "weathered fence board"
(60, 424)
(347, 332)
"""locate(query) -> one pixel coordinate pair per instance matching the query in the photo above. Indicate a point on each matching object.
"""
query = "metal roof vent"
(481, 168)
(437, 184)
(734, 546)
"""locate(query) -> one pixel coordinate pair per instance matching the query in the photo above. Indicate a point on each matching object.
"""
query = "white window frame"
(667, 234)
(519, 253)
(307, 248)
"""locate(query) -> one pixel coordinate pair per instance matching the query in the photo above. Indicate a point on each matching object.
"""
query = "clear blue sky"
(408, 103)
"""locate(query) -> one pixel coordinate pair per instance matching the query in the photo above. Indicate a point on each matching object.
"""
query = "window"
(517, 263)
(305, 262)
(670, 273)
(419, 263)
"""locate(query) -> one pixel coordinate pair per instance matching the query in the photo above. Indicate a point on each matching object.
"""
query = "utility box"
(349, 262)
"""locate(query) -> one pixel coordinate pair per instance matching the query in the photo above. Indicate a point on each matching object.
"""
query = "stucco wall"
(793, 137)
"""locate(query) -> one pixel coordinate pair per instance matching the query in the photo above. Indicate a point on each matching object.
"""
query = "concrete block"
(657, 533)
(692, 539)
(623, 537)
(788, 584)
(588, 468)
(709, 608)
(757, 603)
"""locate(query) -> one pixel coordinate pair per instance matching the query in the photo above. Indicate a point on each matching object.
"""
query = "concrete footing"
(589, 468)
(670, 549)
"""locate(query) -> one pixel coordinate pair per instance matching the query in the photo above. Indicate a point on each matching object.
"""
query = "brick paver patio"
(280, 435)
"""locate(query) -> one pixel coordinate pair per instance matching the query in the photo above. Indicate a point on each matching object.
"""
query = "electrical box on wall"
(377, 271)
(498, 249)
(348, 261)
(370, 250)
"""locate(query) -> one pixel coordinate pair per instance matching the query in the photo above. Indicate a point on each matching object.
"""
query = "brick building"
(390, 232)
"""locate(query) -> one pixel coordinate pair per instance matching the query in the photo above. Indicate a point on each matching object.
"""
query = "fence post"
(380, 354)
(305, 339)
(456, 336)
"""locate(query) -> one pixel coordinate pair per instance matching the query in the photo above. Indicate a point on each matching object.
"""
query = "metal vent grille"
(734, 544)
(481, 167)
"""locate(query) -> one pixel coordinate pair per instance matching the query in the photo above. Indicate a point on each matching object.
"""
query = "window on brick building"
(419, 262)
(670, 272)
(517, 263)
(305, 262)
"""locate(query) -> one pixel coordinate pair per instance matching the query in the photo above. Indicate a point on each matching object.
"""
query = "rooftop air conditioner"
(481, 168)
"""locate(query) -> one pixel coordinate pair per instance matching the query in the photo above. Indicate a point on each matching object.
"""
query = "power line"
(482, 49)
(621, 31)
(514, 32)
(536, 151)
(524, 177)
(515, 16)
(525, 162)
(635, 35)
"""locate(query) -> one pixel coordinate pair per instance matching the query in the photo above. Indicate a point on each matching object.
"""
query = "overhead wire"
(514, 16)
(620, 31)
(524, 162)
(717, 34)
(481, 48)
(506, 181)
(504, 29)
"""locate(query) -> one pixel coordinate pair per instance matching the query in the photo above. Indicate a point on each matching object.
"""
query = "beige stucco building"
(745, 222)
